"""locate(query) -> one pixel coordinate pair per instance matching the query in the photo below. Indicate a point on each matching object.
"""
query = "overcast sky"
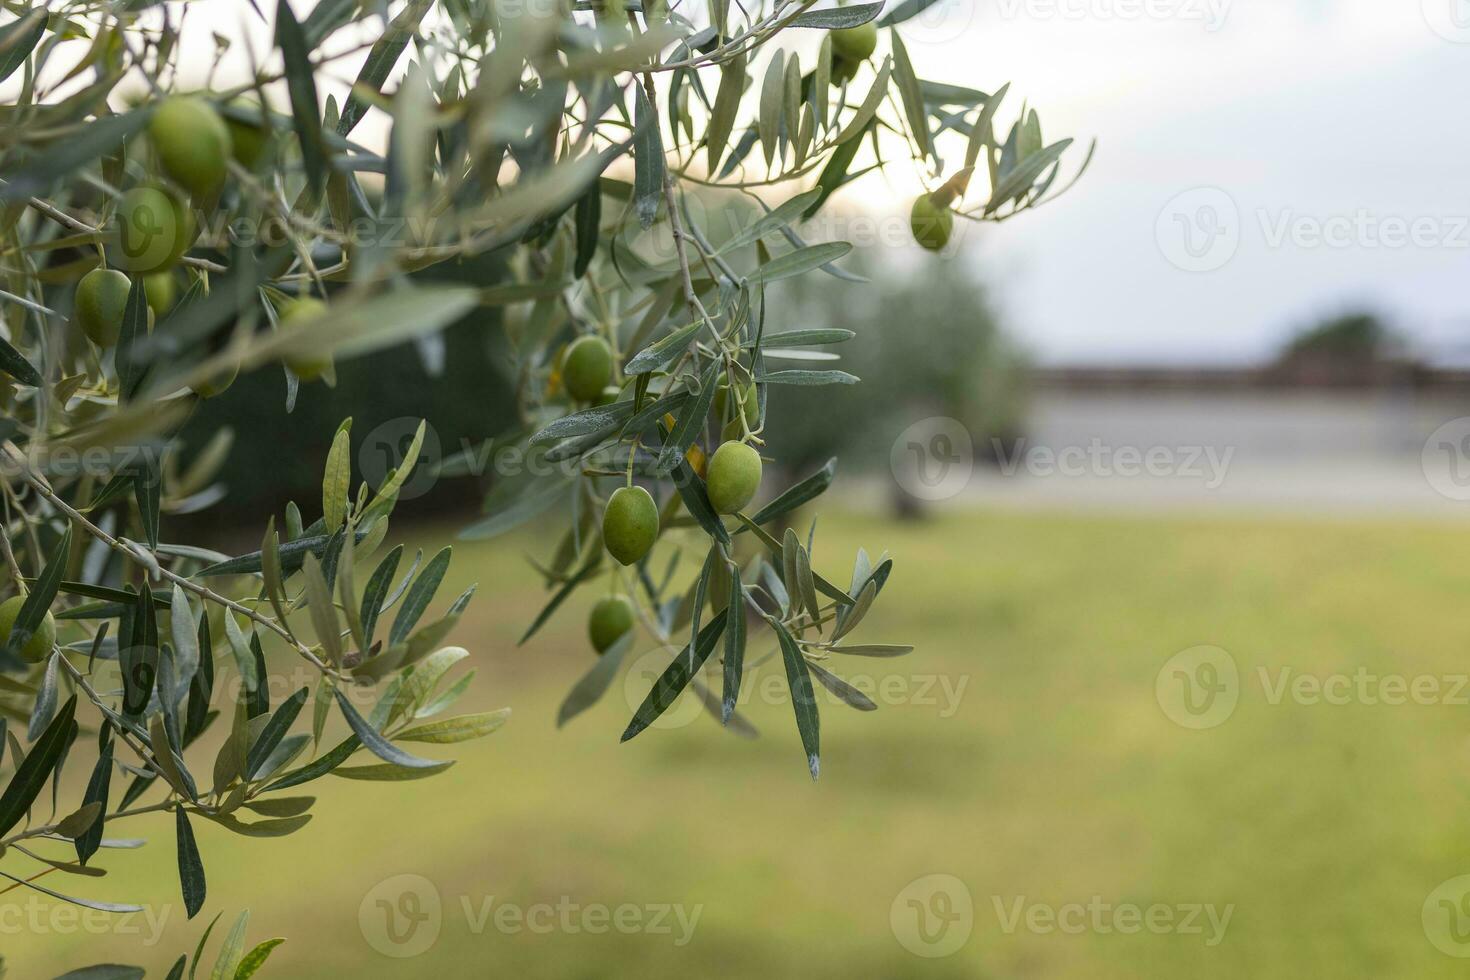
(1261, 163)
(1329, 138)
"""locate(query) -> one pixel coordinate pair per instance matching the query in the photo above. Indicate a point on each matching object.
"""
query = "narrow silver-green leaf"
(734, 645)
(233, 949)
(799, 261)
(301, 84)
(376, 591)
(838, 18)
(18, 39)
(458, 729)
(590, 688)
(803, 698)
(869, 108)
(727, 103)
(676, 677)
(913, 98)
(691, 420)
(662, 351)
(338, 474)
(848, 694)
(376, 743)
(323, 612)
(416, 602)
(785, 214)
(191, 867)
(772, 102)
(648, 159)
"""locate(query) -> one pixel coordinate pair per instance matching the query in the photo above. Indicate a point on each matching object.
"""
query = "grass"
(1047, 774)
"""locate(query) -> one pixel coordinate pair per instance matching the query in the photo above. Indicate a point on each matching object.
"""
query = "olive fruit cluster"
(38, 647)
(193, 144)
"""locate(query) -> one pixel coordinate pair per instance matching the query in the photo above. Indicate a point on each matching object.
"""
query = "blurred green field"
(1053, 778)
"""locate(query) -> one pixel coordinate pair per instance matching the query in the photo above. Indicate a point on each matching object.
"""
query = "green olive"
(611, 618)
(931, 223)
(38, 647)
(843, 70)
(161, 291)
(155, 229)
(855, 44)
(630, 524)
(248, 140)
(750, 401)
(734, 477)
(298, 314)
(193, 143)
(102, 298)
(217, 384)
(587, 368)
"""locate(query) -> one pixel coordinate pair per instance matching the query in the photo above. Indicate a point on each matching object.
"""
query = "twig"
(141, 556)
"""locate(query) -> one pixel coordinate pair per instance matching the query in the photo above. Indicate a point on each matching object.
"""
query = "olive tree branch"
(142, 556)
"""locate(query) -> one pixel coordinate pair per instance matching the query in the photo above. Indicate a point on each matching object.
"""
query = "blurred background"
(1175, 474)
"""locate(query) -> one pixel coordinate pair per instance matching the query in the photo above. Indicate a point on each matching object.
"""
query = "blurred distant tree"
(1356, 336)
(928, 343)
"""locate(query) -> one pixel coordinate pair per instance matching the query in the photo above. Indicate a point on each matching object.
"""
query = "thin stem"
(142, 556)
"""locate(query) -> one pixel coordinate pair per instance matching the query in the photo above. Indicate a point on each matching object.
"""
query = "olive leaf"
(803, 698)
(676, 677)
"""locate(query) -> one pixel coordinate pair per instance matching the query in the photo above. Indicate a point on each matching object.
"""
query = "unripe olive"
(630, 524)
(734, 477)
(855, 43)
(298, 314)
(843, 69)
(155, 229)
(611, 618)
(193, 143)
(248, 140)
(160, 290)
(750, 401)
(38, 647)
(102, 298)
(217, 384)
(931, 223)
(587, 368)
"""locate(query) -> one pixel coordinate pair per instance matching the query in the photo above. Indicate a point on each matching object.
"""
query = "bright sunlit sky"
(1302, 111)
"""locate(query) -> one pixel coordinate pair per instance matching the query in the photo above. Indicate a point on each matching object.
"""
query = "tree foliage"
(165, 232)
